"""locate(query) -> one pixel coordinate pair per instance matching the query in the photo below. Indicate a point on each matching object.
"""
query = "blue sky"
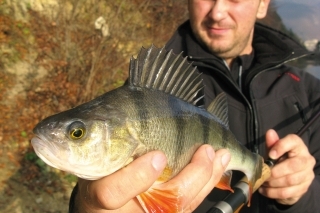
(302, 17)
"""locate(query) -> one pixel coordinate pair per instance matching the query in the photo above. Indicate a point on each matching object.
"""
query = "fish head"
(80, 143)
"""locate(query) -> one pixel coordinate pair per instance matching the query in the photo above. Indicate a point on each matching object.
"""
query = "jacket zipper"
(240, 77)
(252, 129)
(254, 110)
(250, 134)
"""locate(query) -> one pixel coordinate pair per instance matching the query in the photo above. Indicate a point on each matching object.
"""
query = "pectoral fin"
(160, 201)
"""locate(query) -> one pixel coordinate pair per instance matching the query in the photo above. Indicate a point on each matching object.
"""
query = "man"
(247, 62)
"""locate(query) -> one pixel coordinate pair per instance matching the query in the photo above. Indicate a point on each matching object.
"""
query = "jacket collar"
(271, 47)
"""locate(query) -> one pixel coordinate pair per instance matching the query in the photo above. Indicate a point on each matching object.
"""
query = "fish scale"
(156, 110)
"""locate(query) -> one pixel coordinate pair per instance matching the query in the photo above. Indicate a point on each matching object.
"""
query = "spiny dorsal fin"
(219, 108)
(163, 70)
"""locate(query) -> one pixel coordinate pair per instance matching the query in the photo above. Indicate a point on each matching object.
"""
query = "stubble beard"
(229, 49)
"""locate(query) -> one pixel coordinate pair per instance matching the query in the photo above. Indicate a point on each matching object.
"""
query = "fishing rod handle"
(237, 198)
(221, 207)
(266, 173)
(235, 201)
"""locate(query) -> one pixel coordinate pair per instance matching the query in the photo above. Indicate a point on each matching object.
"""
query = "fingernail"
(210, 152)
(260, 190)
(225, 159)
(273, 154)
(158, 162)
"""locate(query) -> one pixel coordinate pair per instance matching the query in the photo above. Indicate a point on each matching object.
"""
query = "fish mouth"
(46, 151)
(50, 153)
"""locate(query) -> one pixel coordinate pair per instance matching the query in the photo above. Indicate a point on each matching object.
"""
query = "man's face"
(225, 27)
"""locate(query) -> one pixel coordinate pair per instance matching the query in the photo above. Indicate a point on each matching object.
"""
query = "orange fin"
(238, 210)
(225, 181)
(250, 189)
(250, 193)
(160, 201)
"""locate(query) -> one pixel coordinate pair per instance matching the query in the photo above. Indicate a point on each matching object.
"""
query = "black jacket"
(272, 95)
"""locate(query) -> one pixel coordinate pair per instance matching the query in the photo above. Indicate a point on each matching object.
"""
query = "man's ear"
(263, 9)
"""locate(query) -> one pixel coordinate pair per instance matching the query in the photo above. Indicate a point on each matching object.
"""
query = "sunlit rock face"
(47, 7)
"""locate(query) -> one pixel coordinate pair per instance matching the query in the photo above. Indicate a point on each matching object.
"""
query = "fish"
(157, 109)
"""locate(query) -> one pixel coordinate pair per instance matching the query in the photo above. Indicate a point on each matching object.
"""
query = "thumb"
(271, 138)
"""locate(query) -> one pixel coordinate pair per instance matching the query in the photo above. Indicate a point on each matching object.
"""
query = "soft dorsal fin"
(219, 108)
(165, 71)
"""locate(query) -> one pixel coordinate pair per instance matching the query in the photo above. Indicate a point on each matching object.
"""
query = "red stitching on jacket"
(293, 76)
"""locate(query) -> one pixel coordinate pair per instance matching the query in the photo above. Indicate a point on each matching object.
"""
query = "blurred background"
(301, 20)
(56, 54)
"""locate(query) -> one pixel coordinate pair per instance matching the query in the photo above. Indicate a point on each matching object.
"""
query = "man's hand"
(117, 192)
(292, 175)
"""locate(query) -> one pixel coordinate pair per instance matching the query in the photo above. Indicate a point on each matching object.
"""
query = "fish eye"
(77, 130)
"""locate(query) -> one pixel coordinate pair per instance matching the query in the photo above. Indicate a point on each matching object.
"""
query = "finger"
(271, 138)
(117, 189)
(293, 165)
(195, 175)
(291, 144)
(288, 180)
(220, 162)
(287, 193)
